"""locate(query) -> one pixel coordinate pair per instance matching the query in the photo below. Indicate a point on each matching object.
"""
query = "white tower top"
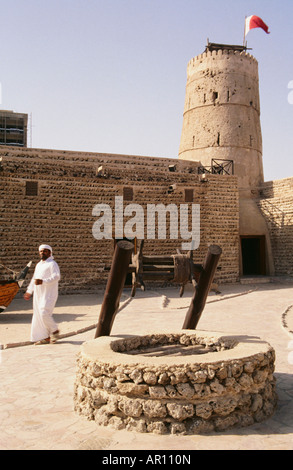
(221, 117)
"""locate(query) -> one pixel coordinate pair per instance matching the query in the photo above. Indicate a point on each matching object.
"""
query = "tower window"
(218, 139)
(215, 95)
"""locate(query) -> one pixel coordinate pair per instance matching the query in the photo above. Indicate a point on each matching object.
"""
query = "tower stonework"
(221, 122)
(222, 113)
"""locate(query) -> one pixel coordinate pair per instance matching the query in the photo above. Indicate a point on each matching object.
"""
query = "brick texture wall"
(276, 205)
(48, 197)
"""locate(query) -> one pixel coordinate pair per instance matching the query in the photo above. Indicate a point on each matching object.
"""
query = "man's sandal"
(55, 336)
(43, 341)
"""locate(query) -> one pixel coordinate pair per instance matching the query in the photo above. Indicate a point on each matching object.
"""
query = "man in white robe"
(44, 287)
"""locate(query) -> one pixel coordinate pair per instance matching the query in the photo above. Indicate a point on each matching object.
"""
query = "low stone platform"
(186, 382)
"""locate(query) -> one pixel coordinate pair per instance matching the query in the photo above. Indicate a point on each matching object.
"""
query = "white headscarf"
(46, 247)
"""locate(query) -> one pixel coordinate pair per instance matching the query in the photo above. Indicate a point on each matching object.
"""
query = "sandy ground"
(36, 393)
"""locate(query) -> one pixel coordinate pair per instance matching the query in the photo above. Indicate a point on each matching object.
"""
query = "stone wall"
(48, 196)
(139, 383)
(276, 205)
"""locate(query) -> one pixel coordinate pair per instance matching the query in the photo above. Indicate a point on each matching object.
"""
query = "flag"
(255, 22)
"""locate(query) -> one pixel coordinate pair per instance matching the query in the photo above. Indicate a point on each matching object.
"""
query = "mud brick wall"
(276, 205)
(48, 196)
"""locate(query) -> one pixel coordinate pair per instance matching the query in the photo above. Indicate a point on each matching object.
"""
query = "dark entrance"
(253, 255)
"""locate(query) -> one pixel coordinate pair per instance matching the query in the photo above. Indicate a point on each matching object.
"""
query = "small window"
(215, 95)
(127, 193)
(188, 195)
(31, 188)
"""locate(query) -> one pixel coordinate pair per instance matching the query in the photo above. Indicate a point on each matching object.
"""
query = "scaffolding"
(218, 167)
(13, 128)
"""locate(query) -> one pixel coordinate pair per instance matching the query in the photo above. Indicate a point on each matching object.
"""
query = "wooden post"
(114, 287)
(202, 289)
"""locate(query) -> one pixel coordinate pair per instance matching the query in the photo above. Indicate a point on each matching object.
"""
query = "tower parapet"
(221, 118)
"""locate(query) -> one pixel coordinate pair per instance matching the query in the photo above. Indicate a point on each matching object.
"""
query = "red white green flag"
(255, 22)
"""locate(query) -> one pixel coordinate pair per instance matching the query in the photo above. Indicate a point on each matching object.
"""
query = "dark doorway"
(253, 255)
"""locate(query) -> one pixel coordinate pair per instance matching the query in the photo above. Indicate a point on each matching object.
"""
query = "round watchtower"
(221, 118)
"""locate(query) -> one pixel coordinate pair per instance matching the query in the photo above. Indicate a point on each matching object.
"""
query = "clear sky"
(110, 75)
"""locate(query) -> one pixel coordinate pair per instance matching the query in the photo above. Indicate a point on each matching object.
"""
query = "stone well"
(188, 382)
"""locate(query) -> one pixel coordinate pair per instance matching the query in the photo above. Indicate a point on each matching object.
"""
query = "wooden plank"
(173, 349)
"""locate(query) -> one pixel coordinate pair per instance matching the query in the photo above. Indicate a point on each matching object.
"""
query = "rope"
(8, 269)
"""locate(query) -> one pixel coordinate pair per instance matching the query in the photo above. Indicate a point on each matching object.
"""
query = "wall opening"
(188, 195)
(127, 193)
(253, 255)
(31, 188)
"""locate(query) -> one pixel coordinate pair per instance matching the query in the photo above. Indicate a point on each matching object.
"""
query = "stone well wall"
(187, 382)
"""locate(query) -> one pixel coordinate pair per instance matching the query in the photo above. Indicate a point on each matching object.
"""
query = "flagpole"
(244, 32)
